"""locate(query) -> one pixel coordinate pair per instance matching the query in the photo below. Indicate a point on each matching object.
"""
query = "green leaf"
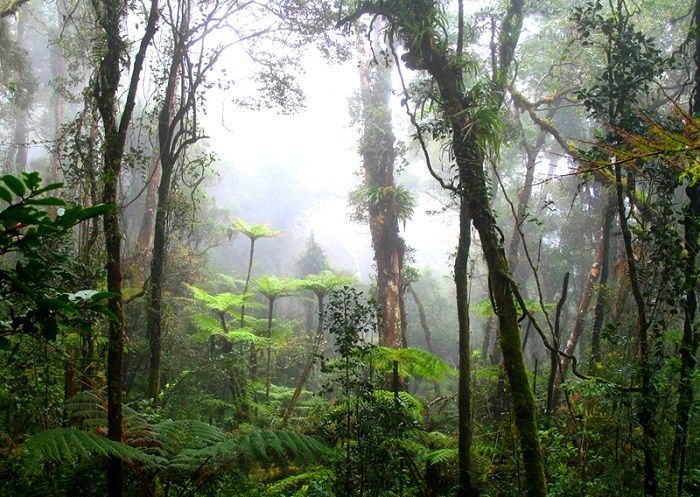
(22, 215)
(106, 312)
(48, 188)
(97, 296)
(5, 195)
(94, 211)
(14, 184)
(52, 201)
(66, 445)
(32, 180)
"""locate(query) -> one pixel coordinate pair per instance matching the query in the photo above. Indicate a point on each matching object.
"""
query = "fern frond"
(206, 323)
(246, 336)
(441, 455)
(408, 401)
(412, 362)
(253, 448)
(439, 438)
(230, 281)
(67, 445)
(138, 432)
(187, 434)
(87, 409)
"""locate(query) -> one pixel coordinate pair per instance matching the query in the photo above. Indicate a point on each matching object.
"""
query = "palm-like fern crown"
(273, 287)
(326, 281)
(221, 302)
(412, 362)
(255, 231)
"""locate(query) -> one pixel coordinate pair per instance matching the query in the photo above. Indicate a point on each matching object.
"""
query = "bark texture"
(378, 157)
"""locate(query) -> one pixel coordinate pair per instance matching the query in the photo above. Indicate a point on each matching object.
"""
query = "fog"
(296, 170)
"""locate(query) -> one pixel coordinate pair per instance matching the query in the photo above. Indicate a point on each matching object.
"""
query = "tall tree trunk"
(425, 52)
(586, 295)
(603, 293)
(20, 132)
(556, 374)
(691, 338)
(522, 399)
(648, 395)
(531, 151)
(423, 319)
(377, 148)
(109, 16)
(268, 362)
(169, 153)
(155, 289)
(58, 71)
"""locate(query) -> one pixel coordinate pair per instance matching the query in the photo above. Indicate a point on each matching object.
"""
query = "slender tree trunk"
(157, 277)
(109, 16)
(691, 338)
(556, 373)
(144, 239)
(603, 292)
(20, 133)
(423, 320)
(247, 277)
(648, 395)
(58, 71)
(524, 196)
(584, 304)
(461, 275)
(306, 372)
(167, 158)
(522, 399)
(268, 365)
(424, 52)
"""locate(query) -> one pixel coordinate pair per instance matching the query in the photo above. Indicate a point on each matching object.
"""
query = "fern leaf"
(176, 436)
(441, 455)
(67, 445)
(412, 362)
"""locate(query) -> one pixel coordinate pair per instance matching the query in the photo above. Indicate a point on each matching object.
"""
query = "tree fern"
(87, 409)
(411, 404)
(441, 455)
(412, 362)
(175, 436)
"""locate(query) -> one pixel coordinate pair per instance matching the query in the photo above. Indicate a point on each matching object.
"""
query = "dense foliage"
(154, 343)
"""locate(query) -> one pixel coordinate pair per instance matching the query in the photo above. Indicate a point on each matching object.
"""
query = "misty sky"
(314, 154)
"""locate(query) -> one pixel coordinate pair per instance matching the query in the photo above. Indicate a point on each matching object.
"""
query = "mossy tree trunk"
(426, 51)
(378, 158)
(609, 209)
